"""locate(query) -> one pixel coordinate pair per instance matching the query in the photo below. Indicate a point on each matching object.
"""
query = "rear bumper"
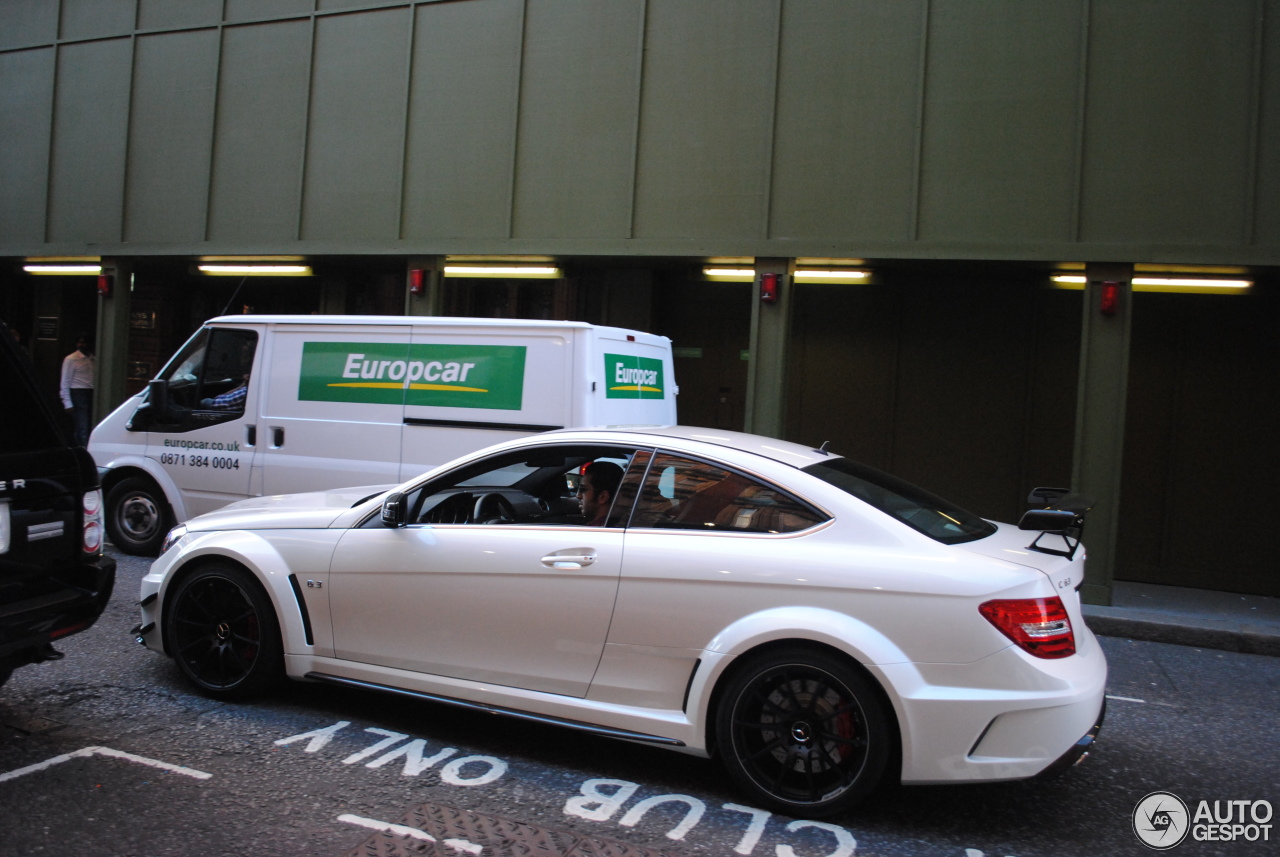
(1078, 751)
(70, 602)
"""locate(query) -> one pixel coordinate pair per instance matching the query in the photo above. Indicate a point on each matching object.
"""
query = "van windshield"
(29, 427)
(917, 508)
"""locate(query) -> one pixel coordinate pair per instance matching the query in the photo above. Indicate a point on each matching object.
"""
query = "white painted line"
(104, 751)
(412, 832)
(1126, 699)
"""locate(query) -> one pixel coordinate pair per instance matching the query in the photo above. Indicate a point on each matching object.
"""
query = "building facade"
(998, 231)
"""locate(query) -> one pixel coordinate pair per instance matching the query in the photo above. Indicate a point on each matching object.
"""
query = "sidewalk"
(1189, 617)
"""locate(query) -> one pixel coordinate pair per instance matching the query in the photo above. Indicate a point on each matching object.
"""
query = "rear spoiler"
(1062, 514)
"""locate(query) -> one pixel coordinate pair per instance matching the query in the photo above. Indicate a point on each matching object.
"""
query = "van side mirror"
(155, 410)
(394, 510)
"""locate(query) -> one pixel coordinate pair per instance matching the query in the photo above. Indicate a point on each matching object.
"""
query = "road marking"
(104, 751)
(1126, 699)
(405, 830)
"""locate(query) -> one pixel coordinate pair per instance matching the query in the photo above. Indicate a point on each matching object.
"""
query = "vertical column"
(111, 363)
(424, 286)
(1100, 411)
(770, 338)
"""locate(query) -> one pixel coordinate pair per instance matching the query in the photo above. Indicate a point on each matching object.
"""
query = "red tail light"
(1040, 626)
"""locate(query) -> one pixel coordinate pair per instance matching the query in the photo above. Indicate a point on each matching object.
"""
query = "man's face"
(594, 503)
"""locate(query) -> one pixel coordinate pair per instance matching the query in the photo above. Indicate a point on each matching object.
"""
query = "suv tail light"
(92, 522)
(1039, 626)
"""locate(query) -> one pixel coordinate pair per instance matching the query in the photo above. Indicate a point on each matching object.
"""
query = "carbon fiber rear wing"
(1061, 514)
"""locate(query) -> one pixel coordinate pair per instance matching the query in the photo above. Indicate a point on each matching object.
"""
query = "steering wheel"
(493, 508)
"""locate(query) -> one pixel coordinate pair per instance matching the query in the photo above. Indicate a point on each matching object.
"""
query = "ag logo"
(1161, 820)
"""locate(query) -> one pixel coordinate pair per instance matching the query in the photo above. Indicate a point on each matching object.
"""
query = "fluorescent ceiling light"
(63, 268)
(544, 272)
(1193, 285)
(818, 275)
(250, 270)
(735, 275)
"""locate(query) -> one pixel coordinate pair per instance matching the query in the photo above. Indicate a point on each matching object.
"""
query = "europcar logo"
(444, 376)
(630, 377)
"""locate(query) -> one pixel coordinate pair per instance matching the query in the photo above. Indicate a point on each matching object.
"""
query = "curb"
(1180, 630)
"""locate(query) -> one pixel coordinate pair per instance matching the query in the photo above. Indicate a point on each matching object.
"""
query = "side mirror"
(394, 510)
(155, 410)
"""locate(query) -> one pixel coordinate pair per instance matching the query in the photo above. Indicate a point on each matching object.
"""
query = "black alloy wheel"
(223, 632)
(805, 732)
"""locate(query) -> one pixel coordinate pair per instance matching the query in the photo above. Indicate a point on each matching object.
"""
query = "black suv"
(54, 579)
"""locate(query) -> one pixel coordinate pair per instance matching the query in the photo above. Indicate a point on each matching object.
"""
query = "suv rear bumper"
(28, 626)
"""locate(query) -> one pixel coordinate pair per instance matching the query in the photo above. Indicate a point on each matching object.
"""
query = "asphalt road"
(109, 752)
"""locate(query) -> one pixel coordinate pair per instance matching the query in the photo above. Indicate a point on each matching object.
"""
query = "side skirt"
(624, 734)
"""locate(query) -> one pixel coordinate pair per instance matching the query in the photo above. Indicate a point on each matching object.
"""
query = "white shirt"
(77, 374)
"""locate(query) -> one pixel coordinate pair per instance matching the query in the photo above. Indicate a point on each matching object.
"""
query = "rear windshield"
(915, 507)
(26, 425)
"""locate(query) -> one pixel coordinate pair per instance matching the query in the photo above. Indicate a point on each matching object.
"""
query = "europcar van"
(256, 405)
(54, 579)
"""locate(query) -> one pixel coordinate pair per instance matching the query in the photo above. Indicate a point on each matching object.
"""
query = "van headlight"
(173, 537)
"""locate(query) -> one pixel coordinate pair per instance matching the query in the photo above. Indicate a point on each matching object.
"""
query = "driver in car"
(599, 484)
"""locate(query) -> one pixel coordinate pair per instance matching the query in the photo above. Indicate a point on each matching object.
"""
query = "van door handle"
(250, 435)
(572, 558)
(277, 436)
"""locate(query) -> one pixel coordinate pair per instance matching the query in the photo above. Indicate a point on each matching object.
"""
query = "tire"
(804, 732)
(222, 631)
(137, 516)
(4, 676)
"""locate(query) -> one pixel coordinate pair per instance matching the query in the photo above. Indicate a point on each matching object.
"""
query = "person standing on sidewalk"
(77, 388)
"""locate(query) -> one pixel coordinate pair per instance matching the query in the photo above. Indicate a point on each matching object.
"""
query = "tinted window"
(914, 506)
(686, 494)
(26, 426)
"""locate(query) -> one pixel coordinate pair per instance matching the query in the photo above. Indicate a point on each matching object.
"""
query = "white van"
(256, 405)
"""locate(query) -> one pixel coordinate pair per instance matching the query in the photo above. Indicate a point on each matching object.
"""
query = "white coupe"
(817, 624)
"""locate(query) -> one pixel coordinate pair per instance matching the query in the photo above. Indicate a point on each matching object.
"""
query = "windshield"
(915, 507)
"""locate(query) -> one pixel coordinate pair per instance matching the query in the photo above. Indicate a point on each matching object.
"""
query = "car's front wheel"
(804, 732)
(137, 516)
(223, 632)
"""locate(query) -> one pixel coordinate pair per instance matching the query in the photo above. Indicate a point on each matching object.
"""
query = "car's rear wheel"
(4, 676)
(805, 732)
(137, 516)
(223, 632)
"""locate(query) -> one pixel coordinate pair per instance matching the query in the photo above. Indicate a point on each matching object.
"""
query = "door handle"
(277, 436)
(250, 435)
(573, 558)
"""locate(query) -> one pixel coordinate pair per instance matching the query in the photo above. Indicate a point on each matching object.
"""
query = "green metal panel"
(706, 123)
(167, 14)
(26, 112)
(1167, 138)
(95, 19)
(577, 135)
(848, 90)
(355, 138)
(460, 149)
(265, 10)
(1266, 199)
(90, 130)
(170, 136)
(1002, 104)
(255, 194)
(27, 22)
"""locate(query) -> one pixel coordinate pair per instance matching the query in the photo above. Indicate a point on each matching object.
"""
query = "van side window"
(686, 494)
(212, 372)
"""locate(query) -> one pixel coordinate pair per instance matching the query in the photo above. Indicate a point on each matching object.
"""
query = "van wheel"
(804, 732)
(221, 629)
(137, 516)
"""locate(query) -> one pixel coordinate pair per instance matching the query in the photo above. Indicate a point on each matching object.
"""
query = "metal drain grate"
(458, 833)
